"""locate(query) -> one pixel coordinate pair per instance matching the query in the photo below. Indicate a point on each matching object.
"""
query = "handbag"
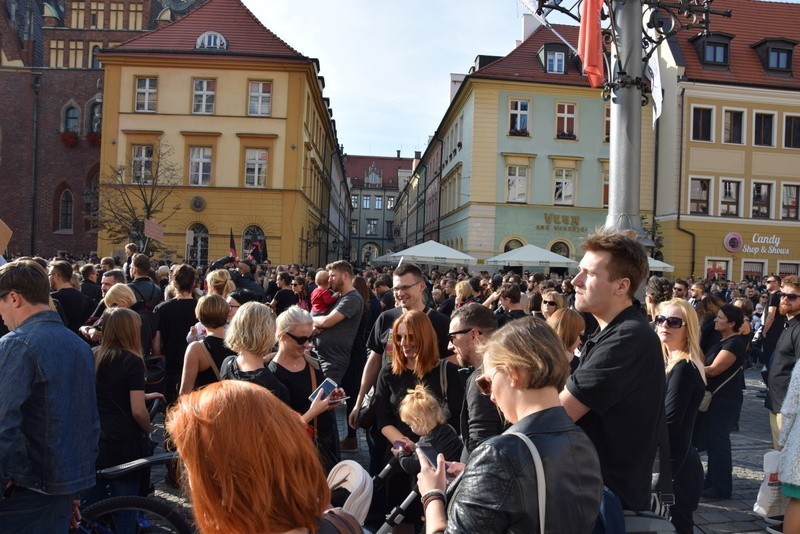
(709, 395)
(541, 484)
(367, 416)
(770, 501)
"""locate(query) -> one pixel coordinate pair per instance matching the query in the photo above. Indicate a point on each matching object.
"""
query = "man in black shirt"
(617, 392)
(89, 286)
(73, 302)
(786, 352)
(772, 318)
(146, 291)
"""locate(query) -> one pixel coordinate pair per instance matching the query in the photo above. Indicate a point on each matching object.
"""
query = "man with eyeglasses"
(787, 350)
(470, 325)
(48, 407)
(680, 289)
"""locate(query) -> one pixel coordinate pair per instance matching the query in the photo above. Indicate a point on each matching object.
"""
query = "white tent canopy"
(659, 266)
(533, 256)
(431, 252)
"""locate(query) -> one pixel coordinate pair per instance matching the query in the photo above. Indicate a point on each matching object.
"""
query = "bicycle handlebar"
(119, 470)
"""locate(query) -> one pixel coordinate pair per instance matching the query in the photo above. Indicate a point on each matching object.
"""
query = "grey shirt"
(336, 342)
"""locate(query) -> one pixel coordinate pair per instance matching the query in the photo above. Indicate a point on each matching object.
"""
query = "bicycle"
(132, 513)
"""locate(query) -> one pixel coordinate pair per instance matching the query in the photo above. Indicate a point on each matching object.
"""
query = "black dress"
(216, 347)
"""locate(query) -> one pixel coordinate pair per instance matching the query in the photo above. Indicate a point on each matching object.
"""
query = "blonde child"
(427, 418)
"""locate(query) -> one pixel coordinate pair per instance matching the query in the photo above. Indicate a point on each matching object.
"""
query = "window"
(255, 167)
(716, 53)
(791, 131)
(698, 200)
(789, 203)
(764, 129)
(65, 211)
(199, 165)
(135, 16)
(260, 99)
(753, 270)
(761, 200)
(197, 241)
(378, 202)
(116, 12)
(702, 123)
(786, 268)
(354, 201)
(608, 124)
(77, 14)
(555, 62)
(389, 230)
(253, 234)
(717, 269)
(56, 53)
(733, 127)
(730, 198)
(565, 181)
(146, 93)
(75, 55)
(517, 184)
(71, 119)
(565, 120)
(95, 61)
(779, 59)
(372, 227)
(365, 201)
(606, 175)
(97, 15)
(389, 203)
(204, 96)
(142, 164)
(518, 117)
(354, 226)
(96, 117)
(213, 40)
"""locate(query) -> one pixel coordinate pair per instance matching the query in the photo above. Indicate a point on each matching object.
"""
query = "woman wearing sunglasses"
(415, 361)
(300, 294)
(724, 362)
(552, 301)
(523, 370)
(677, 327)
(301, 376)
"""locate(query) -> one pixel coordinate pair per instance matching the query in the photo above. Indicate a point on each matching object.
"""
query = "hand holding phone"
(429, 452)
(326, 387)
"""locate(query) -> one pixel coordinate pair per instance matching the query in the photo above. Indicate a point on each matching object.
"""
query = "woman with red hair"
(238, 484)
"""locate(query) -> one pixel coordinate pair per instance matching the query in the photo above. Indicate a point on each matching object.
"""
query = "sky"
(387, 65)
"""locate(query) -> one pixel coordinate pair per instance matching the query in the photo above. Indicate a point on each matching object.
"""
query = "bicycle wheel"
(143, 514)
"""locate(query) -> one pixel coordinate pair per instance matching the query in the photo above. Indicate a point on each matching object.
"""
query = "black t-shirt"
(284, 299)
(505, 317)
(73, 303)
(446, 308)
(229, 370)
(732, 389)
(216, 347)
(685, 390)
(299, 387)
(776, 327)
(116, 377)
(387, 300)
(175, 318)
(620, 378)
(383, 325)
(780, 371)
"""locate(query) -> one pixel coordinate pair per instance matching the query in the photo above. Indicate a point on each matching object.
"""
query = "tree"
(140, 190)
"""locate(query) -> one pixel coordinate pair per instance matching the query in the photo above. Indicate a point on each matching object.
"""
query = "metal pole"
(626, 118)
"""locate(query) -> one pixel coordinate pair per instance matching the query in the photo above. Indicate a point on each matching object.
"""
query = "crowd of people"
(471, 365)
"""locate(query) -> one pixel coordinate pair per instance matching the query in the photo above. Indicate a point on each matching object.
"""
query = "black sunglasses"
(672, 322)
(791, 297)
(451, 335)
(550, 303)
(301, 340)
(485, 384)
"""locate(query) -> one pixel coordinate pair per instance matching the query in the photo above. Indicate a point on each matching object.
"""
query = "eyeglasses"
(485, 384)
(550, 303)
(296, 284)
(672, 322)
(406, 287)
(301, 340)
(791, 297)
(452, 335)
(772, 281)
(677, 288)
(401, 337)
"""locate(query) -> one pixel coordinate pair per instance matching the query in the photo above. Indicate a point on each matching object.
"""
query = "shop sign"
(765, 244)
(562, 223)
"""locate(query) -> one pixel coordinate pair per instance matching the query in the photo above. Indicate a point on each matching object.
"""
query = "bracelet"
(431, 498)
(434, 491)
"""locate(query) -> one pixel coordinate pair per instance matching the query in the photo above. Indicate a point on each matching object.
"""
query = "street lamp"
(319, 231)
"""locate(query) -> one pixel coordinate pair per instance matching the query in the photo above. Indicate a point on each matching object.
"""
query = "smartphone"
(327, 386)
(429, 452)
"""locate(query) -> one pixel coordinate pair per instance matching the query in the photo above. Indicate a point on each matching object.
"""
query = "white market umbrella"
(431, 252)
(660, 266)
(531, 255)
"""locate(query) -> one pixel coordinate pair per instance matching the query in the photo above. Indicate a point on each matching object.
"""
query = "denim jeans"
(124, 521)
(611, 519)
(30, 511)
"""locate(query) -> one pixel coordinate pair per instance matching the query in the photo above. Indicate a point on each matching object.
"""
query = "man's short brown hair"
(27, 278)
(142, 264)
(628, 257)
(341, 266)
(409, 268)
(792, 281)
(63, 269)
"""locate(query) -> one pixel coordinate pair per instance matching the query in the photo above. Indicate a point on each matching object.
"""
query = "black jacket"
(497, 490)
(480, 418)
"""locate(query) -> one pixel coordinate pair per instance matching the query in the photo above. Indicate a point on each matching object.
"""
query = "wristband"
(430, 498)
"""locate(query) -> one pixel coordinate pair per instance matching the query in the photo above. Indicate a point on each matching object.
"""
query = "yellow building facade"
(241, 117)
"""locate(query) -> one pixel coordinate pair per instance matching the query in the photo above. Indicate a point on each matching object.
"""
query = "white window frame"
(565, 116)
(791, 184)
(713, 124)
(795, 263)
(773, 189)
(774, 126)
(256, 167)
(728, 261)
(389, 202)
(513, 175)
(211, 40)
(783, 137)
(764, 264)
(744, 126)
(371, 228)
(256, 96)
(149, 94)
(203, 97)
(567, 183)
(354, 201)
(739, 201)
(142, 164)
(778, 50)
(378, 202)
(521, 115)
(354, 226)
(711, 197)
(366, 201)
(200, 165)
(554, 60)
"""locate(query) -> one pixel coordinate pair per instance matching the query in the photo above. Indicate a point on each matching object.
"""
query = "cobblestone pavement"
(733, 515)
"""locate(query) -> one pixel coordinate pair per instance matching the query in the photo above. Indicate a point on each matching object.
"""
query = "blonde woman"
(679, 330)
(552, 301)
(464, 293)
(569, 326)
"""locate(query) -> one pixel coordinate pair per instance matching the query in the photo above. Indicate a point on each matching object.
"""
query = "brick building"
(50, 113)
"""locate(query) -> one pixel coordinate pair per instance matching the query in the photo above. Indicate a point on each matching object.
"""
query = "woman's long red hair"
(421, 329)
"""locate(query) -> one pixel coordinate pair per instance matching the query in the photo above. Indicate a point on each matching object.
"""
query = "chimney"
(529, 25)
(417, 154)
(398, 154)
(455, 83)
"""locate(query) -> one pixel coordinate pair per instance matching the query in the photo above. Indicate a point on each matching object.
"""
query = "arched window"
(71, 115)
(96, 62)
(197, 245)
(65, 211)
(212, 40)
(560, 248)
(512, 244)
(253, 234)
(96, 117)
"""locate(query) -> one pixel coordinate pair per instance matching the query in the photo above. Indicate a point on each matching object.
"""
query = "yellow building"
(729, 146)
(231, 119)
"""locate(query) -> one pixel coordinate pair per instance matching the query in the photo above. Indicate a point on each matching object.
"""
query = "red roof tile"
(242, 30)
(752, 21)
(357, 167)
(523, 64)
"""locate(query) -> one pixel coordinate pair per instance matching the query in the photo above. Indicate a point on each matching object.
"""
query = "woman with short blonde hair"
(119, 295)
(551, 301)
(218, 282)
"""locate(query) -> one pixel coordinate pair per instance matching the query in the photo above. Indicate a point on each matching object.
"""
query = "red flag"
(590, 41)
(233, 247)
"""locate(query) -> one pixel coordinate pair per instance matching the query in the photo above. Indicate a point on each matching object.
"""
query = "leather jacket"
(497, 490)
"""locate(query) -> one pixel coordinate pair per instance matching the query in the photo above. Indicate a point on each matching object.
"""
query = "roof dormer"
(211, 40)
(554, 57)
(713, 49)
(776, 54)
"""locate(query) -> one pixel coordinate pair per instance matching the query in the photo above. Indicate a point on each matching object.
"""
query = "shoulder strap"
(341, 521)
(727, 380)
(211, 359)
(541, 483)
(313, 388)
(443, 379)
